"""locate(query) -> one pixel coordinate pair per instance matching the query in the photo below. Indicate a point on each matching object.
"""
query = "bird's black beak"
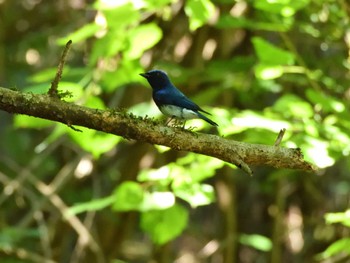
(145, 75)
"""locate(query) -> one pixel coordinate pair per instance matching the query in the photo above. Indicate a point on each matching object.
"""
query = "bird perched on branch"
(171, 101)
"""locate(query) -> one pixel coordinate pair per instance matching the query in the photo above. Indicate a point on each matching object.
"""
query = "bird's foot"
(191, 128)
(168, 121)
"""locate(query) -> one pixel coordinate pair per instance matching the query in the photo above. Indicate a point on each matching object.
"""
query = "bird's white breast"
(178, 112)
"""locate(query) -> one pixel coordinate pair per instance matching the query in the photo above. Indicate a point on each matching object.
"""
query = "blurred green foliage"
(257, 66)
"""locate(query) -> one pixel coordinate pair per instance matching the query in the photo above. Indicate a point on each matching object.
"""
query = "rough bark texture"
(146, 130)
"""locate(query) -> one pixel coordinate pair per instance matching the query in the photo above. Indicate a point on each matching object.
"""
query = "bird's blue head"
(158, 79)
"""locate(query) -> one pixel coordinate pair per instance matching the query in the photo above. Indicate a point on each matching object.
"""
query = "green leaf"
(316, 150)
(157, 4)
(249, 119)
(81, 34)
(195, 194)
(40, 88)
(194, 168)
(95, 102)
(119, 22)
(285, 8)
(121, 17)
(339, 246)
(199, 12)
(93, 141)
(127, 72)
(339, 137)
(328, 103)
(107, 46)
(145, 109)
(157, 200)
(228, 21)
(258, 242)
(142, 38)
(292, 106)
(128, 196)
(45, 75)
(270, 54)
(74, 90)
(164, 225)
(341, 217)
(24, 121)
(93, 205)
(266, 71)
(161, 174)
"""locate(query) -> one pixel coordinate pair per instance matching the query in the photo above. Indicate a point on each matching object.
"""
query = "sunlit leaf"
(194, 168)
(161, 174)
(340, 246)
(108, 46)
(195, 194)
(128, 196)
(164, 225)
(316, 150)
(341, 217)
(292, 106)
(24, 121)
(95, 103)
(120, 17)
(74, 90)
(199, 12)
(258, 242)
(110, 4)
(142, 38)
(45, 75)
(157, 4)
(283, 7)
(127, 72)
(327, 102)
(144, 109)
(93, 141)
(40, 88)
(157, 201)
(228, 21)
(266, 71)
(271, 54)
(81, 34)
(250, 119)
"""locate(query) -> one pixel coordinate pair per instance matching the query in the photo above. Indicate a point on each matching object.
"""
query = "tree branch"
(131, 127)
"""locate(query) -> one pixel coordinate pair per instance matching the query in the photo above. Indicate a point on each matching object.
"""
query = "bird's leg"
(183, 126)
(171, 118)
(179, 123)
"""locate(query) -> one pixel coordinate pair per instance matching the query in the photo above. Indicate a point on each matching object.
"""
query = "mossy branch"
(50, 107)
(145, 130)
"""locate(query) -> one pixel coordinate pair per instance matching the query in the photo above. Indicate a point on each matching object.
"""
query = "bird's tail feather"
(207, 119)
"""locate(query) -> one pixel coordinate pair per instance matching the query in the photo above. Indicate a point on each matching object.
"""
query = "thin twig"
(279, 137)
(53, 91)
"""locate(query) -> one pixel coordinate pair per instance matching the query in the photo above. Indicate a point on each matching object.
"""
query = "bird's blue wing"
(172, 96)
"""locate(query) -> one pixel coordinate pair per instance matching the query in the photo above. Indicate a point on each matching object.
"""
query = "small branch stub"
(280, 137)
(53, 91)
